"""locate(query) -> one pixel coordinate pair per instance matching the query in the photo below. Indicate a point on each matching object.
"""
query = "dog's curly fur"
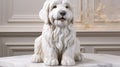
(58, 43)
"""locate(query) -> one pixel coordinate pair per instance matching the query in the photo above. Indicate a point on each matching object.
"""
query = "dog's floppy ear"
(43, 14)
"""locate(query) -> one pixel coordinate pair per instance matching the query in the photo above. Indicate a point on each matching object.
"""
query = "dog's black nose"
(62, 13)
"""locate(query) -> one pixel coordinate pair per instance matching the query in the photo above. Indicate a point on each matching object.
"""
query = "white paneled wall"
(20, 25)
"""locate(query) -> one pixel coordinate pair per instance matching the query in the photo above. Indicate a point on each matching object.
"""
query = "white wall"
(20, 25)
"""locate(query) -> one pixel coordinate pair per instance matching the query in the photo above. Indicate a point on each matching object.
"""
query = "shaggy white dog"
(58, 43)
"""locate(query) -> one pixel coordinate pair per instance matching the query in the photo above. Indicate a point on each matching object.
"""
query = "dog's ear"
(43, 14)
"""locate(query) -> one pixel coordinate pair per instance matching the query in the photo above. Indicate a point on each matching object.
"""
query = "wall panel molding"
(20, 18)
(1, 11)
(18, 49)
(82, 49)
(107, 11)
(115, 50)
(101, 44)
(87, 11)
(37, 33)
(24, 18)
(1, 47)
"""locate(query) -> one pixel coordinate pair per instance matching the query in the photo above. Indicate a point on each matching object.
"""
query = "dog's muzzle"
(62, 14)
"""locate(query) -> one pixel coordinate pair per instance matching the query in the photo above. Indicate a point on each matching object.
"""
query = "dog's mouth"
(61, 19)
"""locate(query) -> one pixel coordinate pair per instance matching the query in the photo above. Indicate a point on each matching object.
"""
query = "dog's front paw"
(67, 61)
(51, 61)
(36, 58)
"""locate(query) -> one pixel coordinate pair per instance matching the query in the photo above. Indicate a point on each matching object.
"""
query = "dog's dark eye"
(54, 6)
(66, 6)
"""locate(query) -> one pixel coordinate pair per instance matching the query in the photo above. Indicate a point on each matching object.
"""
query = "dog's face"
(57, 12)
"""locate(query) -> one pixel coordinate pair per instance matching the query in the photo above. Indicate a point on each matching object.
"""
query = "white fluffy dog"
(58, 43)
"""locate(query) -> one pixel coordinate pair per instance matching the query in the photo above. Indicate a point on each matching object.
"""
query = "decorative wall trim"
(24, 18)
(0, 12)
(20, 18)
(11, 48)
(87, 11)
(19, 44)
(103, 21)
(82, 49)
(1, 48)
(82, 44)
(100, 44)
(109, 21)
(97, 49)
(79, 33)
(98, 33)
(10, 8)
(5, 11)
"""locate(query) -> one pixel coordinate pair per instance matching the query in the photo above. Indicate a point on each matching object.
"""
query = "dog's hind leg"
(78, 57)
(37, 56)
